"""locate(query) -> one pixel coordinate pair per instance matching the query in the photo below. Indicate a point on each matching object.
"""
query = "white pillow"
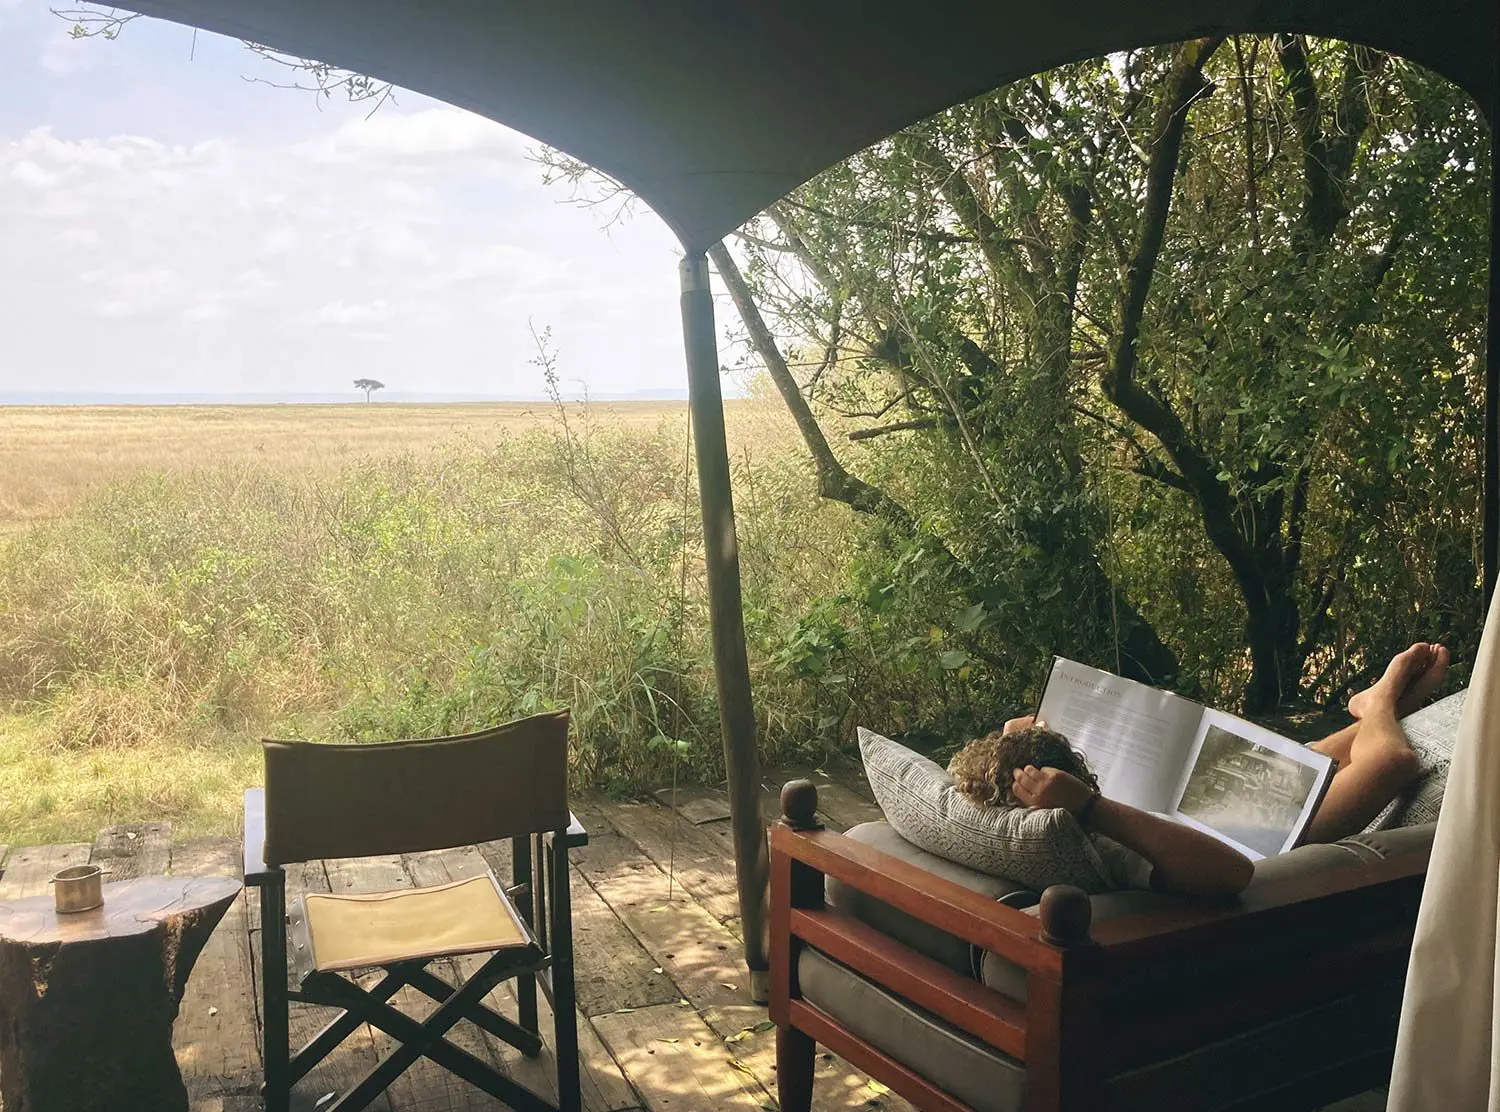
(1029, 846)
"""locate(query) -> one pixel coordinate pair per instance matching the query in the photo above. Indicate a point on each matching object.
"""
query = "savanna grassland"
(177, 582)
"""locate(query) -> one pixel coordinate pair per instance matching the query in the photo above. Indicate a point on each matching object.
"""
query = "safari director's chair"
(336, 801)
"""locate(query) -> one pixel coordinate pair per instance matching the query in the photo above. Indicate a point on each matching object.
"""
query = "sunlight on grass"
(54, 794)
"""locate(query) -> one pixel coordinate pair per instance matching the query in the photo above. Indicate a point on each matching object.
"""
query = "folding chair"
(326, 801)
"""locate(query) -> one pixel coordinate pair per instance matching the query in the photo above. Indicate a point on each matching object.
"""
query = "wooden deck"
(666, 1020)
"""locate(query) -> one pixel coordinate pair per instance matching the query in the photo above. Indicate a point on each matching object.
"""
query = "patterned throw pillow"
(1432, 733)
(1026, 845)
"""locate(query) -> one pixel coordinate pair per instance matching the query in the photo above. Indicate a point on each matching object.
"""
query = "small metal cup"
(78, 888)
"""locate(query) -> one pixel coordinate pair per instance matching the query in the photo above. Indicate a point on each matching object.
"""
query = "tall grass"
(150, 637)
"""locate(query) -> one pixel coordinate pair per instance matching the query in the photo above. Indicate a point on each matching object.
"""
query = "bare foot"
(1406, 670)
(1424, 686)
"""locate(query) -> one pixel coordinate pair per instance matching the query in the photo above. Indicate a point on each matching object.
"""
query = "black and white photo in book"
(1250, 793)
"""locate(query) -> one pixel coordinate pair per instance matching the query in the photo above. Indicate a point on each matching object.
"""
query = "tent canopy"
(710, 111)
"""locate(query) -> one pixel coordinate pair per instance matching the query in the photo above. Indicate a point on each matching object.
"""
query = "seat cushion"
(980, 1076)
(367, 929)
(925, 938)
(1030, 846)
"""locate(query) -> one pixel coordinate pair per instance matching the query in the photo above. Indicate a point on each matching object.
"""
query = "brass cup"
(78, 888)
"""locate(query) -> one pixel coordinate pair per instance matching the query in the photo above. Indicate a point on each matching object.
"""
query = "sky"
(168, 224)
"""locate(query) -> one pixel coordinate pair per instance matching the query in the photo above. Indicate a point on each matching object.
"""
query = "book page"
(1250, 787)
(1136, 738)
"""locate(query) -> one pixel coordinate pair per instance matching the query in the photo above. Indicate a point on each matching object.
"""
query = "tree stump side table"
(87, 1000)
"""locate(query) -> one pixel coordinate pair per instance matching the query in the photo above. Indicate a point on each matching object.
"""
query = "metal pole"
(1492, 376)
(722, 559)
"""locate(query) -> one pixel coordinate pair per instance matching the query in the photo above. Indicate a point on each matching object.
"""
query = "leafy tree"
(1181, 328)
(368, 385)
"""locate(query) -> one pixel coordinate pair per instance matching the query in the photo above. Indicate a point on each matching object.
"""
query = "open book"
(1151, 749)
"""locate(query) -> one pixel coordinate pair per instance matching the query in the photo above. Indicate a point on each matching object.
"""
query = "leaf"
(877, 1088)
(736, 1064)
(669, 1040)
(953, 659)
(730, 987)
(970, 619)
(656, 969)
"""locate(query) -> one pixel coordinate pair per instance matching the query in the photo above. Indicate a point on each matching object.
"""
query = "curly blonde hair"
(982, 770)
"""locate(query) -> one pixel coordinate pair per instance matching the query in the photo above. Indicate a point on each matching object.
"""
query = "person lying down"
(1027, 764)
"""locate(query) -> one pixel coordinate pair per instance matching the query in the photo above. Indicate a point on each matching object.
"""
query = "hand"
(1050, 787)
(1025, 722)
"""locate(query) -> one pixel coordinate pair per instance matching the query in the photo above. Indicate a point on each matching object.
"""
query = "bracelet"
(1087, 809)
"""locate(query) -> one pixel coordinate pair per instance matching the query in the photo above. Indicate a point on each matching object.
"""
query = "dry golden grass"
(177, 581)
(50, 455)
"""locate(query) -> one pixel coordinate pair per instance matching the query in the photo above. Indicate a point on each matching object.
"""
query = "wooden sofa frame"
(1102, 999)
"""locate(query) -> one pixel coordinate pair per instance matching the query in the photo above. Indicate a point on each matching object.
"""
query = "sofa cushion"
(1034, 847)
(925, 938)
(980, 1076)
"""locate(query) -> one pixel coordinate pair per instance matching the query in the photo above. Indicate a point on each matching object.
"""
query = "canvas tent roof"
(712, 109)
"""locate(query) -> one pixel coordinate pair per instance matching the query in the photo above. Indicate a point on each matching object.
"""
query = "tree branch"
(899, 426)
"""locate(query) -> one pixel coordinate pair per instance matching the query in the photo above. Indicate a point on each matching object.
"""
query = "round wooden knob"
(799, 804)
(1066, 914)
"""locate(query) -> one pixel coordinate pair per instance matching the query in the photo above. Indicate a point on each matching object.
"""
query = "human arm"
(1183, 860)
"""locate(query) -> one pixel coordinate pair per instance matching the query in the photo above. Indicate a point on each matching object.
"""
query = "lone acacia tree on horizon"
(368, 385)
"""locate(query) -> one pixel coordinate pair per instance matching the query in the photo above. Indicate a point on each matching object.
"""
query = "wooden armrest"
(960, 911)
(1313, 902)
(257, 872)
(575, 836)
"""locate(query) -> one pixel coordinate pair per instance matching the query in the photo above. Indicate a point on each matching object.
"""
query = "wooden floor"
(666, 1020)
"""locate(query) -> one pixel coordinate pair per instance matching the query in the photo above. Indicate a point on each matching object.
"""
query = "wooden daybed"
(961, 992)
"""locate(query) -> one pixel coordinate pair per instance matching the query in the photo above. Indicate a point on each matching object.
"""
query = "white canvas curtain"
(1446, 1052)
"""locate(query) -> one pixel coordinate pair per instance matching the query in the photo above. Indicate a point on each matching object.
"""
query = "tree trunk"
(87, 1000)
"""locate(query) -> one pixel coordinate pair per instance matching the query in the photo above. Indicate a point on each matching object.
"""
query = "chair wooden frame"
(1123, 996)
(539, 885)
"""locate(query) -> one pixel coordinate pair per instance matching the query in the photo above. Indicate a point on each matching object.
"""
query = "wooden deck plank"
(699, 954)
(837, 1086)
(29, 869)
(604, 1086)
(612, 970)
(217, 1035)
(678, 1063)
(133, 849)
(691, 854)
(695, 804)
(357, 1054)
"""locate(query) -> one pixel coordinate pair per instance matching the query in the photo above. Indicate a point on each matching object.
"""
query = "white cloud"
(341, 312)
(29, 173)
(420, 243)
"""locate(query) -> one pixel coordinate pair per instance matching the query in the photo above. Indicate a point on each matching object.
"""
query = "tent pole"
(722, 559)
(1492, 379)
